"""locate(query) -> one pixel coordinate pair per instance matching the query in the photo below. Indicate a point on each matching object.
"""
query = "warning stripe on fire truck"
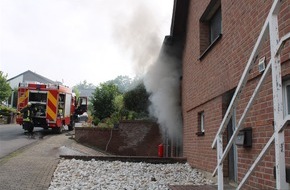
(23, 99)
(51, 105)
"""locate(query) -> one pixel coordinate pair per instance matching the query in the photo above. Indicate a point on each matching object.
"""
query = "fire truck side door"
(82, 104)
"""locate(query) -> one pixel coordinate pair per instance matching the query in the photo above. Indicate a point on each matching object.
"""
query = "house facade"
(219, 37)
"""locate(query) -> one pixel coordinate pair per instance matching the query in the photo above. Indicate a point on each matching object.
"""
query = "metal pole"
(243, 117)
(12, 98)
(256, 162)
(244, 79)
(270, 27)
(262, 153)
(277, 105)
(220, 165)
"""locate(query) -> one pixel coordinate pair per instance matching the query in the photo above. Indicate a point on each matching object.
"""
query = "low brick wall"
(7, 119)
(132, 138)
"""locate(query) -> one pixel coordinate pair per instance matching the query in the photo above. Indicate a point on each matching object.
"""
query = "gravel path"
(77, 174)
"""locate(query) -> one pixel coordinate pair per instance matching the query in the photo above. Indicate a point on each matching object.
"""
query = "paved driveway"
(32, 167)
(12, 137)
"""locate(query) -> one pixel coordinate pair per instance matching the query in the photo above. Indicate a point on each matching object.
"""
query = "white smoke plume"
(139, 37)
(160, 71)
(162, 80)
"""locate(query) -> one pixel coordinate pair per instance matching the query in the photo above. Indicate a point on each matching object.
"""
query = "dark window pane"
(215, 25)
(37, 97)
(288, 98)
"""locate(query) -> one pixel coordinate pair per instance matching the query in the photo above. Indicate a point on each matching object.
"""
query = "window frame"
(285, 99)
(200, 127)
(213, 11)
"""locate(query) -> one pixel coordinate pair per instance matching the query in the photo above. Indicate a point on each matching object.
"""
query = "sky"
(75, 40)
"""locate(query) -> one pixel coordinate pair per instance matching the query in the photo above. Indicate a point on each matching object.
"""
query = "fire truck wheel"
(57, 130)
(30, 129)
(70, 128)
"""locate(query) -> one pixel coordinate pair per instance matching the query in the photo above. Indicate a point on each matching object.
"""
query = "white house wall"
(15, 82)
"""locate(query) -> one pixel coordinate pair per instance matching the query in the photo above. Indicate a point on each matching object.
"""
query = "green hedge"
(6, 111)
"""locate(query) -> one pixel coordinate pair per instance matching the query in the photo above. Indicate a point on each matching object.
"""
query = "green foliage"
(137, 100)
(104, 126)
(84, 85)
(132, 115)
(76, 91)
(103, 101)
(90, 107)
(96, 121)
(122, 82)
(4, 110)
(119, 106)
(5, 90)
(83, 88)
(118, 102)
(115, 118)
(109, 106)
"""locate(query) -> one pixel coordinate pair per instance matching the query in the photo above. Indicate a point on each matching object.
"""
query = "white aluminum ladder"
(270, 28)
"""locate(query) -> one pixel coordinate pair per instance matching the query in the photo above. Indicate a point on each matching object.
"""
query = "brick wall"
(132, 138)
(207, 82)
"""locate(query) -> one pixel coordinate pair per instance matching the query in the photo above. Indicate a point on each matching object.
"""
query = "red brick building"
(219, 37)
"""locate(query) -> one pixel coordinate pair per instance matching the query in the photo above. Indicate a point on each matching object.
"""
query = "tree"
(5, 90)
(119, 102)
(103, 100)
(122, 82)
(84, 85)
(137, 100)
(76, 91)
(84, 89)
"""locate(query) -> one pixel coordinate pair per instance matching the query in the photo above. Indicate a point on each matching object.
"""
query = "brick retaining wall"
(132, 138)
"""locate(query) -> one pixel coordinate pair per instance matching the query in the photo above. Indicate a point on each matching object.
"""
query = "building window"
(286, 97)
(210, 26)
(215, 26)
(200, 130)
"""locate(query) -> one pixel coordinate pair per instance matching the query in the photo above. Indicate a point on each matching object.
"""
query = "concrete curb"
(152, 160)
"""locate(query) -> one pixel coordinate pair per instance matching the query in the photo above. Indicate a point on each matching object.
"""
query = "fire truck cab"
(52, 106)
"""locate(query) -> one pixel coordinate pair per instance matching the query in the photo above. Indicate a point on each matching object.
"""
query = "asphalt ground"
(31, 167)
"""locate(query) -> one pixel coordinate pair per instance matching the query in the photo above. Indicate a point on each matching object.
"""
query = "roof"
(179, 17)
(31, 76)
(174, 43)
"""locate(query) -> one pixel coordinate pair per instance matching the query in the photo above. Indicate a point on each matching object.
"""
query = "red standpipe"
(160, 150)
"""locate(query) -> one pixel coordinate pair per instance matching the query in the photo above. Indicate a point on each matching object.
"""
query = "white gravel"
(77, 174)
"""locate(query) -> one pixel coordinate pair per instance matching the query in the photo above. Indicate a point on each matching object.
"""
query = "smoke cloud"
(160, 70)
(139, 37)
(162, 80)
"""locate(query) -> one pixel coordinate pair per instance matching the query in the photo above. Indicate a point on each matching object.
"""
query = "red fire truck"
(52, 106)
